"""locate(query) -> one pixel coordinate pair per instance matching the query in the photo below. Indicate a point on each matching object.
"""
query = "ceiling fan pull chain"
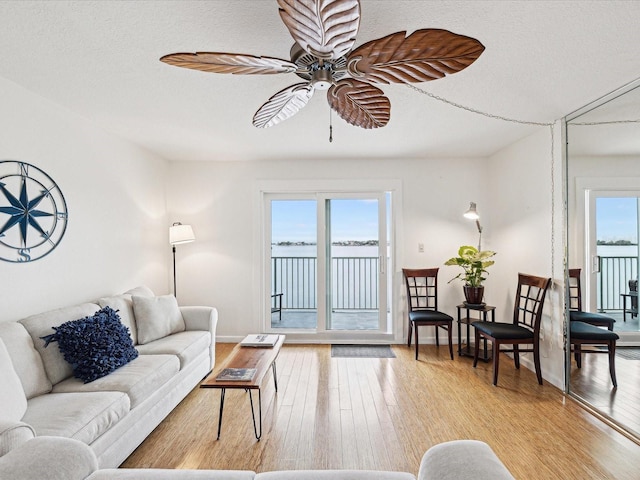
(330, 126)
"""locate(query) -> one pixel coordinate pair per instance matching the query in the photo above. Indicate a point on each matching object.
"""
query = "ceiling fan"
(324, 32)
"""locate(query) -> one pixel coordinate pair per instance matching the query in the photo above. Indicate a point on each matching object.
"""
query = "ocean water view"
(617, 250)
(311, 251)
(372, 251)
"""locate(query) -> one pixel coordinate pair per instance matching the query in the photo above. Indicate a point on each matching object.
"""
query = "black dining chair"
(422, 300)
(524, 329)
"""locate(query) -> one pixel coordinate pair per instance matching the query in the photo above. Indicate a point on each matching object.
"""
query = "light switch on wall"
(421, 247)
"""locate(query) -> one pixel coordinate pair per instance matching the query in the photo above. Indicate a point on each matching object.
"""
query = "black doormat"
(628, 353)
(362, 351)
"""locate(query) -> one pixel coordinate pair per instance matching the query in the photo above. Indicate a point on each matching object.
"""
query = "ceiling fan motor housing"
(322, 74)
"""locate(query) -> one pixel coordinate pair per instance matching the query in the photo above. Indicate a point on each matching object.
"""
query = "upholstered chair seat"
(504, 330)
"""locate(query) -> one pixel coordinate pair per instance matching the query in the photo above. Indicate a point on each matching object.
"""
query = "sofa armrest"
(202, 318)
(462, 460)
(53, 458)
(13, 434)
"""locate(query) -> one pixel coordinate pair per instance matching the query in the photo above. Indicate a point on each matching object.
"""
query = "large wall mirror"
(603, 214)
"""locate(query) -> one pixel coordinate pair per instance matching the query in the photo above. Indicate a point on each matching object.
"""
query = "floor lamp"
(472, 214)
(179, 234)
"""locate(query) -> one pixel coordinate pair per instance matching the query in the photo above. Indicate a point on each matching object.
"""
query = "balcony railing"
(615, 273)
(354, 282)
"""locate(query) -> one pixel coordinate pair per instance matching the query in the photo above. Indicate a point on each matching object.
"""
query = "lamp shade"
(179, 233)
(472, 213)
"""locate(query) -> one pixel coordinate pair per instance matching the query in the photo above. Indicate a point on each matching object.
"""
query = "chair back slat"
(575, 291)
(422, 288)
(530, 297)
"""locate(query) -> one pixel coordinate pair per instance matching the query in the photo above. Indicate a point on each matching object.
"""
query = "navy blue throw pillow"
(94, 346)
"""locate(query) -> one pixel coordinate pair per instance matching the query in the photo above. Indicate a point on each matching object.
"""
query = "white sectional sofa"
(56, 458)
(40, 397)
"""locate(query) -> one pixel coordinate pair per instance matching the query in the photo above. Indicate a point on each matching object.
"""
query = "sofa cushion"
(12, 397)
(14, 434)
(124, 306)
(186, 345)
(94, 346)
(42, 324)
(156, 317)
(82, 416)
(26, 360)
(139, 379)
(141, 291)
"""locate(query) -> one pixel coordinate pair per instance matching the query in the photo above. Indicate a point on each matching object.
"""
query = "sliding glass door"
(293, 262)
(328, 261)
(355, 263)
(612, 250)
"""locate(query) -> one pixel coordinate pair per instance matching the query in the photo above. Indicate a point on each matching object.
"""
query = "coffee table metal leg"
(253, 415)
(222, 392)
(275, 377)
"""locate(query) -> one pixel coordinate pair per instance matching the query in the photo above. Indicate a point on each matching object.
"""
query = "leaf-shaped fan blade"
(359, 103)
(229, 63)
(324, 28)
(284, 104)
(424, 55)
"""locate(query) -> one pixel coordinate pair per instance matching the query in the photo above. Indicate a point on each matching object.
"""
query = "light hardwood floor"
(383, 414)
(593, 383)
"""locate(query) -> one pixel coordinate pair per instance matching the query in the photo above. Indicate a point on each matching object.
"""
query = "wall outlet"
(421, 247)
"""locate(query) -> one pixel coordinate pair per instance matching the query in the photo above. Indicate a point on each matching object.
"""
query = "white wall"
(116, 236)
(218, 200)
(522, 205)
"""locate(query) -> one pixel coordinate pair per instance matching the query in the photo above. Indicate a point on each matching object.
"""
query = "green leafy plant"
(474, 263)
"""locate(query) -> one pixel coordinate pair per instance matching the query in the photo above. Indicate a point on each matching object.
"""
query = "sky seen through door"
(617, 219)
(295, 220)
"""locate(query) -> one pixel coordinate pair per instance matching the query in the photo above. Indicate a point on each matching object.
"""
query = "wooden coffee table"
(260, 358)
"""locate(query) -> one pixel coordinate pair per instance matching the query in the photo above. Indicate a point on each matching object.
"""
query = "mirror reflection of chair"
(575, 304)
(422, 301)
(581, 333)
(525, 328)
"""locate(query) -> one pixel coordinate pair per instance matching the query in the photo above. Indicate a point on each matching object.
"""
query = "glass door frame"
(298, 189)
(587, 189)
(381, 197)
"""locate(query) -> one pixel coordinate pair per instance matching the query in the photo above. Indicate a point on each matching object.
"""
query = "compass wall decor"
(33, 212)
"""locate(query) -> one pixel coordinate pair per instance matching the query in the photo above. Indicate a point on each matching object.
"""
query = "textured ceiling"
(543, 60)
(611, 127)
